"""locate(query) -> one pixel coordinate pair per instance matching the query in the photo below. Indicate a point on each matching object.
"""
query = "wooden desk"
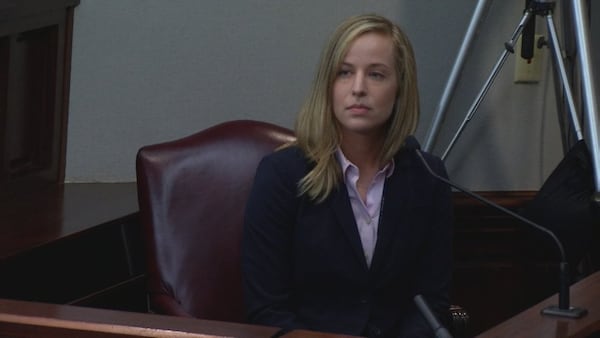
(29, 319)
(530, 323)
(57, 212)
(75, 243)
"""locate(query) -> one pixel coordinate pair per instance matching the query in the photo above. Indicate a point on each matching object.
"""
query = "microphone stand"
(438, 329)
(563, 309)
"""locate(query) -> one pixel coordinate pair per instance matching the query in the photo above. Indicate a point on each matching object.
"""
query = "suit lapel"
(396, 199)
(340, 203)
(396, 196)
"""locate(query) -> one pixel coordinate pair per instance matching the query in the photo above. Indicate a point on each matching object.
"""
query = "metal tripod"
(544, 9)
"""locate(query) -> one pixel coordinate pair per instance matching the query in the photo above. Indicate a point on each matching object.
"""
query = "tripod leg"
(559, 63)
(454, 74)
(589, 92)
(509, 48)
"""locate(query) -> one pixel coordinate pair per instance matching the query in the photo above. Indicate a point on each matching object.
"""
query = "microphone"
(439, 330)
(563, 309)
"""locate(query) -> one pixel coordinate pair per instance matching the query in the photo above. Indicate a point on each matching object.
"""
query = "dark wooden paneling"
(35, 47)
(4, 53)
(30, 134)
(494, 276)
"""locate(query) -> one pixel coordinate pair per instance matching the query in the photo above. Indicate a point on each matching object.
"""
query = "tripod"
(544, 9)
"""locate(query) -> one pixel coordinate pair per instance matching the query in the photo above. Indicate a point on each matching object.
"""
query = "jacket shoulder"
(289, 161)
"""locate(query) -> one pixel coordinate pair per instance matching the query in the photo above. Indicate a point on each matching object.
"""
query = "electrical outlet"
(529, 71)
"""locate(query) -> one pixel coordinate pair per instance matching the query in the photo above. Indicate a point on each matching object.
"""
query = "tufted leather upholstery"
(192, 194)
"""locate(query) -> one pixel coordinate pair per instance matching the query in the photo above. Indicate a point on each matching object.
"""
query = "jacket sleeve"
(267, 262)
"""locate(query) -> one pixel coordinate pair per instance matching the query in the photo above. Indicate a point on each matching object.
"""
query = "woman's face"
(364, 91)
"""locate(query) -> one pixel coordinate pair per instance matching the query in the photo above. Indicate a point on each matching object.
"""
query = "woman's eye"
(377, 75)
(343, 73)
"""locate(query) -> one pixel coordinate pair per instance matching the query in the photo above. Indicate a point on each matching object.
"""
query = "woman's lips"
(358, 108)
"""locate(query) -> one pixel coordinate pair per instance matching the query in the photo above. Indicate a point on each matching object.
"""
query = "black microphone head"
(411, 143)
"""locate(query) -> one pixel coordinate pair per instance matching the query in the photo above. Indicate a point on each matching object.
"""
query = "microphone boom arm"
(563, 309)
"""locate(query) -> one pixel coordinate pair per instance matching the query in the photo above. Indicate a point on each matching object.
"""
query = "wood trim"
(28, 319)
(507, 199)
(66, 90)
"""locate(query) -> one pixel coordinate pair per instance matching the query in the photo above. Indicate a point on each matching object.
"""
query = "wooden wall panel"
(35, 37)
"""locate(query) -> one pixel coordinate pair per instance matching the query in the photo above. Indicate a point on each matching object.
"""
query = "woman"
(345, 226)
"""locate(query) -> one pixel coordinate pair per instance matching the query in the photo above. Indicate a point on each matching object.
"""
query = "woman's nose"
(359, 86)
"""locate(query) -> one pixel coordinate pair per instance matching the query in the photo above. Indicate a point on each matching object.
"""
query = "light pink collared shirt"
(366, 213)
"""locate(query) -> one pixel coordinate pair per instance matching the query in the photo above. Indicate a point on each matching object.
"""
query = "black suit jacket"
(303, 264)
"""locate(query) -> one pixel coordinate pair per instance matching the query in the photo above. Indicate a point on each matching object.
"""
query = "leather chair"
(192, 193)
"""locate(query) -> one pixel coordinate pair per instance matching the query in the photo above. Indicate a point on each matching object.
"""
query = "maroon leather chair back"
(192, 193)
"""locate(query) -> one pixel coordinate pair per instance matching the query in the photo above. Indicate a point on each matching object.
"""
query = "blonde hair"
(316, 128)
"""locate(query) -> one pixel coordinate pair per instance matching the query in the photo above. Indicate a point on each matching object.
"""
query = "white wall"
(146, 71)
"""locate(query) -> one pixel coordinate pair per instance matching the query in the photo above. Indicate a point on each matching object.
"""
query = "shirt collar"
(345, 164)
